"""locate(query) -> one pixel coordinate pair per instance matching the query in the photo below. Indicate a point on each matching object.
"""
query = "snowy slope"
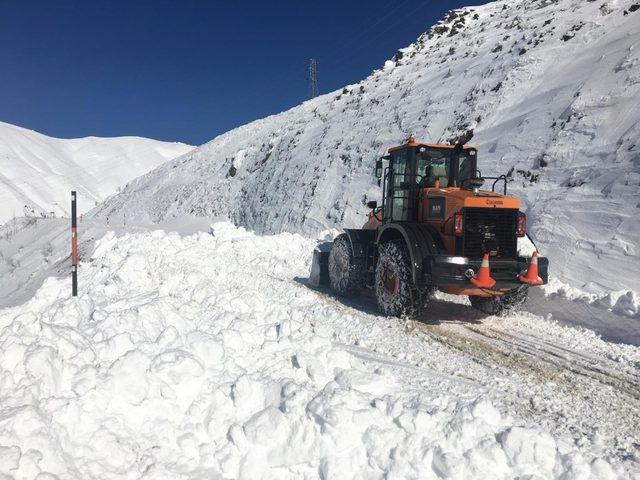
(549, 88)
(202, 357)
(38, 172)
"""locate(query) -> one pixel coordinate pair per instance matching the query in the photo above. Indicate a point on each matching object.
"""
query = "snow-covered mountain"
(548, 89)
(38, 172)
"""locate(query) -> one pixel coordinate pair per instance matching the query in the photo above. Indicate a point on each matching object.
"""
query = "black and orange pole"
(74, 246)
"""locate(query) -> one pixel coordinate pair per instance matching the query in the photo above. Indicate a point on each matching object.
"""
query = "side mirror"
(379, 168)
(372, 204)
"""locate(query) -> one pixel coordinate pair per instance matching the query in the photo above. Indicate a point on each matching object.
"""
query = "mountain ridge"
(38, 171)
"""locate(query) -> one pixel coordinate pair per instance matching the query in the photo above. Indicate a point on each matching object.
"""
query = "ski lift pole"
(74, 246)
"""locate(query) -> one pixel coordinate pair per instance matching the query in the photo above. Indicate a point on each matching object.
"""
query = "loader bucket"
(319, 276)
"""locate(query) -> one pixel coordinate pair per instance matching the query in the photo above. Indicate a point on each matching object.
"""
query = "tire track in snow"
(600, 370)
(581, 393)
(595, 399)
(367, 355)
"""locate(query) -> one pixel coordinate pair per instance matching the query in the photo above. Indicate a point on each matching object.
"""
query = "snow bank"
(625, 303)
(200, 357)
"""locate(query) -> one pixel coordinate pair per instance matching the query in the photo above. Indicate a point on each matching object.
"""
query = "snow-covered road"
(567, 379)
(206, 356)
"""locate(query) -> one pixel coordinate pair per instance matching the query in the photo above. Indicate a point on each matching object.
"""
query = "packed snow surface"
(205, 356)
(549, 90)
(37, 173)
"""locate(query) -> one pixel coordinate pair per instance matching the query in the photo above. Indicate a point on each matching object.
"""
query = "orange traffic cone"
(531, 276)
(483, 278)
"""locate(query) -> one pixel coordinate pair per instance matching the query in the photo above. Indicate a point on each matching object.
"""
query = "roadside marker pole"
(74, 246)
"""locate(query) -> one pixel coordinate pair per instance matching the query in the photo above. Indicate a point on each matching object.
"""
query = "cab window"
(433, 165)
(401, 176)
(400, 168)
(466, 168)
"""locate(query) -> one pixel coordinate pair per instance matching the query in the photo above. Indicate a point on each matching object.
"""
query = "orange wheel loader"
(435, 230)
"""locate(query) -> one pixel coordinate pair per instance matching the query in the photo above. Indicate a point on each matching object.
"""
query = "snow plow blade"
(319, 276)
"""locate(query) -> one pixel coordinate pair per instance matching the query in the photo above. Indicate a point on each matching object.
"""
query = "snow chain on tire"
(346, 273)
(395, 292)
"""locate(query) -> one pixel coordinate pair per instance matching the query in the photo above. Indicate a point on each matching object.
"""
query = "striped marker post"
(74, 246)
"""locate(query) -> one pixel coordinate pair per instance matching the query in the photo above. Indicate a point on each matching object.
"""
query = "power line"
(395, 11)
(340, 62)
(340, 54)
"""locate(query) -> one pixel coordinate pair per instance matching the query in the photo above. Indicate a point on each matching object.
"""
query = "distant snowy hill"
(549, 90)
(38, 172)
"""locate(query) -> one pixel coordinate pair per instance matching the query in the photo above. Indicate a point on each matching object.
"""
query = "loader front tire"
(395, 292)
(346, 273)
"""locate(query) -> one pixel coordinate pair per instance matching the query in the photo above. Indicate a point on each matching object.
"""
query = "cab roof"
(411, 142)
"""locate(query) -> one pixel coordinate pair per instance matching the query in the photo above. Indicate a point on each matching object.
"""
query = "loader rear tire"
(509, 302)
(395, 292)
(346, 272)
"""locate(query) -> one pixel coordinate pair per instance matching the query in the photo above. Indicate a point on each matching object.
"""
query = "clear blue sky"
(187, 70)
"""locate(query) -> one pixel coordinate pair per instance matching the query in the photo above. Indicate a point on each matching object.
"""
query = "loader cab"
(415, 166)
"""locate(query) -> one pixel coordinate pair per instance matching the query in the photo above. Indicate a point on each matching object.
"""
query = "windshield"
(435, 164)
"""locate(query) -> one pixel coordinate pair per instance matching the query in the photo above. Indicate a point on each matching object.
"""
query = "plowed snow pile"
(200, 357)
